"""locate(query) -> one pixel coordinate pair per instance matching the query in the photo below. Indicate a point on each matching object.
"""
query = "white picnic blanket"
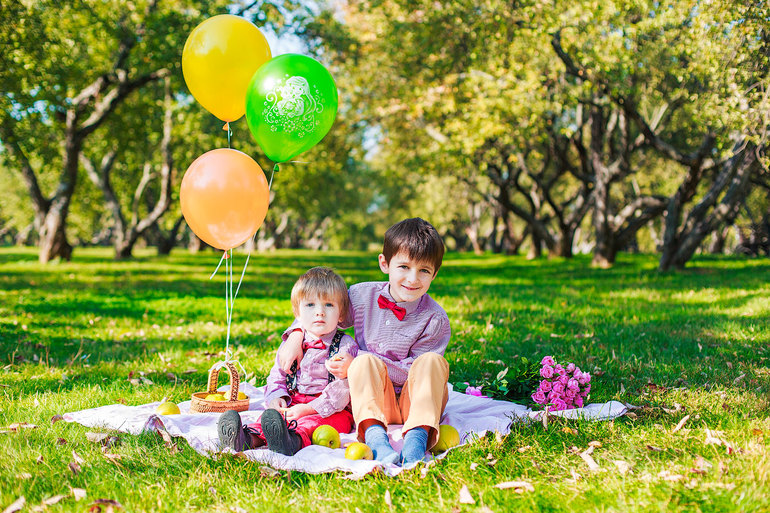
(471, 416)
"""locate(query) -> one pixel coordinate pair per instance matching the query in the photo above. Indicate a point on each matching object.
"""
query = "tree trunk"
(711, 212)
(718, 239)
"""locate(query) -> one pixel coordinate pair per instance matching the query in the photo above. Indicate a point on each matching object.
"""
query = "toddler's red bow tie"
(318, 344)
(387, 304)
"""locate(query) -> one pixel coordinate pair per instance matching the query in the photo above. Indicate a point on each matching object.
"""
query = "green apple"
(327, 436)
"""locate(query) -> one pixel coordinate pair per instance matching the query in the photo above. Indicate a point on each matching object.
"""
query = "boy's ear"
(384, 264)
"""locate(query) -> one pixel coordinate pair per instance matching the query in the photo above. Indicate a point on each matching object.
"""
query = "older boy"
(400, 374)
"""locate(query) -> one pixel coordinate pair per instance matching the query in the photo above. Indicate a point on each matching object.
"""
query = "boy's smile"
(409, 280)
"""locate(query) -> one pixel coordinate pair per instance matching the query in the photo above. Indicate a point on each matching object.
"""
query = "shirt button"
(387, 323)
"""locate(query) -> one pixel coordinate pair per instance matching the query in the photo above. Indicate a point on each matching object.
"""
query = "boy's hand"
(338, 365)
(298, 411)
(278, 403)
(291, 351)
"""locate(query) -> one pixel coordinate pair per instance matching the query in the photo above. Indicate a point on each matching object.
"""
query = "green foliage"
(516, 383)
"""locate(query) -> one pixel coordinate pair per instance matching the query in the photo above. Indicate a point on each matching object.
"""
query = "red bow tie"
(387, 304)
(318, 344)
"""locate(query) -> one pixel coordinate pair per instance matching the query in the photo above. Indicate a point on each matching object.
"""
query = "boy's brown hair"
(418, 239)
(323, 283)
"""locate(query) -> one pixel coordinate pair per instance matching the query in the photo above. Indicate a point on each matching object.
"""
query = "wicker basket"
(199, 403)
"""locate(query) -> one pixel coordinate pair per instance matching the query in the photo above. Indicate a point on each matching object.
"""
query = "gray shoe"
(280, 438)
(231, 433)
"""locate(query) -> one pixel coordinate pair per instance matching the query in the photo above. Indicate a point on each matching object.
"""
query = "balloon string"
(229, 132)
(228, 259)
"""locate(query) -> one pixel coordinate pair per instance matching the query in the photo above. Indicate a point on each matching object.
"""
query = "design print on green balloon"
(291, 107)
(291, 104)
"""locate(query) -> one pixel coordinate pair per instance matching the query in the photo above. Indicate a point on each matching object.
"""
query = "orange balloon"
(224, 197)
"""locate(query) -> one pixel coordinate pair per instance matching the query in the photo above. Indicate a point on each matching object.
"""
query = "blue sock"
(415, 445)
(377, 439)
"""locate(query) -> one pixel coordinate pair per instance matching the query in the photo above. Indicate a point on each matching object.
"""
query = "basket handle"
(235, 380)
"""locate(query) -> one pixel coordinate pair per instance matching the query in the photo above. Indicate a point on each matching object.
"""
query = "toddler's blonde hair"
(323, 283)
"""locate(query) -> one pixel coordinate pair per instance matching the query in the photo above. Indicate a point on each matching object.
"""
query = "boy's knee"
(432, 360)
(363, 362)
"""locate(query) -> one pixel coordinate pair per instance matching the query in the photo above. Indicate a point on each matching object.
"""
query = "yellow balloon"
(219, 58)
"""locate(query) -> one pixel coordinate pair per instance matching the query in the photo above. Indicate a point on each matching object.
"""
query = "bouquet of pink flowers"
(562, 387)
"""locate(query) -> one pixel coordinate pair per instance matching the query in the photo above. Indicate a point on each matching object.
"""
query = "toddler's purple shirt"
(313, 378)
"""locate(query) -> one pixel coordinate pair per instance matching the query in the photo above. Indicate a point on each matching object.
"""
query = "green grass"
(695, 343)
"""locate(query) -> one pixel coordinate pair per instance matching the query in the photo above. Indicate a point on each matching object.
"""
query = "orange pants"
(420, 403)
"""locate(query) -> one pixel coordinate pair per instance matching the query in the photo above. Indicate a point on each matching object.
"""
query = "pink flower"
(547, 360)
(587, 389)
(558, 404)
(560, 370)
(563, 380)
(579, 402)
(545, 385)
(569, 393)
(474, 391)
(546, 371)
(553, 395)
(539, 397)
(581, 378)
(573, 385)
(558, 388)
(587, 377)
(577, 371)
(570, 367)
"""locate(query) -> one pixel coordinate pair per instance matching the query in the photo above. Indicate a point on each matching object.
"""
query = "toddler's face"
(319, 316)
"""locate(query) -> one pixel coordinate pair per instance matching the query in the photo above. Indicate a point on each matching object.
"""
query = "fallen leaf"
(631, 415)
(654, 448)
(586, 456)
(213, 491)
(53, 500)
(111, 504)
(623, 466)
(681, 423)
(667, 475)
(112, 457)
(518, 486)
(78, 493)
(269, 472)
(701, 465)
(498, 437)
(465, 496)
(105, 439)
(56, 418)
(18, 426)
(24, 475)
(569, 430)
(524, 448)
(74, 467)
(77, 458)
(738, 380)
(61, 441)
(387, 499)
(594, 443)
(474, 465)
(16, 506)
(756, 432)
(491, 463)
(39, 459)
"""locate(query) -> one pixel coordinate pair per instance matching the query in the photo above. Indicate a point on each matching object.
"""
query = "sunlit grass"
(695, 343)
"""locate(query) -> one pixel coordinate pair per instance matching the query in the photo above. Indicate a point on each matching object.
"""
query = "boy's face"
(318, 316)
(408, 279)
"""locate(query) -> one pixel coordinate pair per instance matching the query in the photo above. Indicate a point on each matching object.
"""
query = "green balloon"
(291, 103)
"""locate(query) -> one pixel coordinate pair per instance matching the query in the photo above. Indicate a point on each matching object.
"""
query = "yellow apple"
(326, 436)
(215, 397)
(447, 437)
(168, 408)
(241, 395)
(358, 451)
